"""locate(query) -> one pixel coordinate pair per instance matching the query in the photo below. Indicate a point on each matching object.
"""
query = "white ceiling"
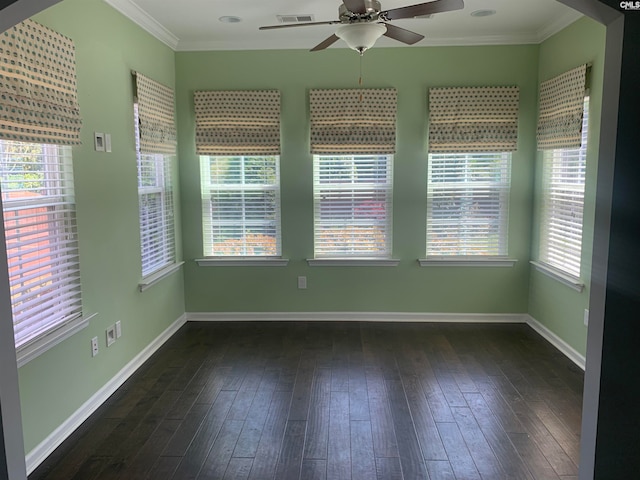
(193, 24)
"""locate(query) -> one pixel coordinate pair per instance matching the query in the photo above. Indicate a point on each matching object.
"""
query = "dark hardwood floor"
(310, 401)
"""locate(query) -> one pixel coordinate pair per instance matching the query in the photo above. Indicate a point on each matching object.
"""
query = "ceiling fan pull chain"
(360, 78)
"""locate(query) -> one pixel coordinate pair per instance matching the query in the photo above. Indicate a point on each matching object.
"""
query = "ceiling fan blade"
(303, 24)
(402, 35)
(437, 6)
(355, 6)
(325, 43)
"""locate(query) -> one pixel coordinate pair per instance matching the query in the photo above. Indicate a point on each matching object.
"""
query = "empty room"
(228, 256)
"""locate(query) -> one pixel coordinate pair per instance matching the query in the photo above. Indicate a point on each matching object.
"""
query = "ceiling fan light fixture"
(361, 36)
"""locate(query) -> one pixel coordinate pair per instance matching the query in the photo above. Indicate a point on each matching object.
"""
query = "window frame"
(502, 188)
(208, 189)
(352, 188)
(565, 265)
(59, 314)
(160, 259)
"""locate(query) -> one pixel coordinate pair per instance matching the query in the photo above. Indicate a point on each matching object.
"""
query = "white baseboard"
(570, 352)
(356, 317)
(36, 456)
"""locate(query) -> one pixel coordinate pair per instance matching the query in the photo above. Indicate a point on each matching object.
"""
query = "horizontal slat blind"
(352, 205)
(563, 207)
(241, 205)
(41, 237)
(467, 204)
(155, 203)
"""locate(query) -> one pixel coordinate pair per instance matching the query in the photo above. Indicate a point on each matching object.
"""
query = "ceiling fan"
(363, 22)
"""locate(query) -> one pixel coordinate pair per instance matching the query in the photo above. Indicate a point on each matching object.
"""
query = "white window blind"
(563, 204)
(352, 206)
(241, 205)
(41, 237)
(155, 202)
(467, 204)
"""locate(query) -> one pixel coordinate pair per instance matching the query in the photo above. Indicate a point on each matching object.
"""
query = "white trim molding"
(145, 21)
(570, 352)
(33, 350)
(353, 262)
(551, 272)
(356, 317)
(242, 262)
(467, 261)
(36, 456)
(151, 280)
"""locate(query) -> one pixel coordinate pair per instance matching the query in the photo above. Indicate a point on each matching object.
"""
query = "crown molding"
(145, 21)
(558, 24)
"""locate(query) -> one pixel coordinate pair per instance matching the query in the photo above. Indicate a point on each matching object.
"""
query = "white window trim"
(353, 262)
(343, 258)
(40, 345)
(242, 262)
(502, 188)
(469, 261)
(570, 281)
(156, 277)
(206, 190)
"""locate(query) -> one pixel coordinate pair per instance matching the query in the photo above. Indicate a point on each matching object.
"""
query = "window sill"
(242, 262)
(467, 262)
(28, 352)
(564, 278)
(151, 280)
(352, 262)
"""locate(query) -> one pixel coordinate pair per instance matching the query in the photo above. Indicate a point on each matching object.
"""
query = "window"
(563, 204)
(467, 204)
(41, 238)
(352, 205)
(241, 205)
(155, 200)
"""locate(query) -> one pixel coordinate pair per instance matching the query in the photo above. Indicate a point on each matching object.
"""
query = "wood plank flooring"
(306, 400)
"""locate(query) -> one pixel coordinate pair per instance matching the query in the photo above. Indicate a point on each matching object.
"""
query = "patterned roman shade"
(38, 94)
(156, 116)
(473, 119)
(560, 110)
(353, 121)
(237, 122)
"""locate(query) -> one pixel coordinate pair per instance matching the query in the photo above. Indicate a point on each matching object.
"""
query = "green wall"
(556, 306)
(108, 47)
(408, 287)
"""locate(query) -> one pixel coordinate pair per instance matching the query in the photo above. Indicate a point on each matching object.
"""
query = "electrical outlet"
(586, 317)
(118, 329)
(111, 335)
(94, 346)
(302, 282)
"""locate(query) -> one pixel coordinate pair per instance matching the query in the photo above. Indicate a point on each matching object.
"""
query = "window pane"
(241, 206)
(563, 204)
(353, 199)
(41, 237)
(467, 204)
(155, 200)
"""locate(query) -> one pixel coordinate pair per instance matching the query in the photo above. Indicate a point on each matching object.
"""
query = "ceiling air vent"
(294, 18)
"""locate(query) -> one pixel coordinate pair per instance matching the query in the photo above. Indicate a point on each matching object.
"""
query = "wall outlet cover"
(111, 335)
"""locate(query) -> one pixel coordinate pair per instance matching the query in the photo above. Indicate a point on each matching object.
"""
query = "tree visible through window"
(353, 199)
(241, 205)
